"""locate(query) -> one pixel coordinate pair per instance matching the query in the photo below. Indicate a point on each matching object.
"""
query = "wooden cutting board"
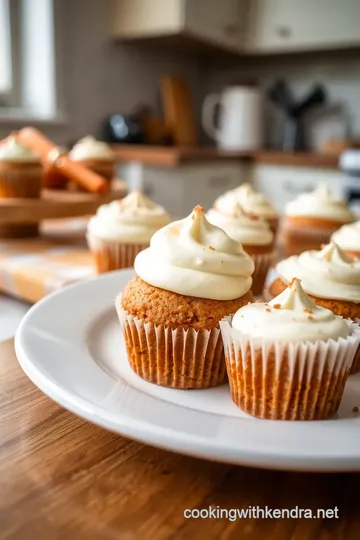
(178, 111)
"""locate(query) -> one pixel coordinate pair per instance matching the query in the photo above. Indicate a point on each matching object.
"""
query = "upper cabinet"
(223, 24)
(243, 26)
(300, 25)
(220, 23)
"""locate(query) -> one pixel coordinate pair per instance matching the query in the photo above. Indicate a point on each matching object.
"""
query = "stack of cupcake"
(189, 319)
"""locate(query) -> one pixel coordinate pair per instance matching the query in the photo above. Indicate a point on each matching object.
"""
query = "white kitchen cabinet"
(290, 25)
(222, 24)
(180, 189)
(282, 184)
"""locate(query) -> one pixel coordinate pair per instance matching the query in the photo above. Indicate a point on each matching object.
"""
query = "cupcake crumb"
(212, 248)
(259, 301)
(355, 409)
(222, 262)
(310, 317)
(306, 310)
(277, 306)
(267, 309)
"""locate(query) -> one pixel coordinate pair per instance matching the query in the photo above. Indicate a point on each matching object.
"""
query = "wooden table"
(62, 478)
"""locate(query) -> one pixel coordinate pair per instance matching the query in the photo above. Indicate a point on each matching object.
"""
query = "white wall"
(99, 76)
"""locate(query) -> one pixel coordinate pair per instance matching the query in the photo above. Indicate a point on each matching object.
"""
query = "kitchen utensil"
(295, 112)
(240, 125)
(179, 117)
(155, 130)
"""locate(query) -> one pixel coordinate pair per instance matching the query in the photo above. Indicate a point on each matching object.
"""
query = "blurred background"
(195, 95)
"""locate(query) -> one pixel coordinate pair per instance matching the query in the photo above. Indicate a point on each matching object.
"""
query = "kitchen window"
(28, 89)
(6, 56)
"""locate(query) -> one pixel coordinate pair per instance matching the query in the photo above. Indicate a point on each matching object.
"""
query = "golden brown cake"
(311, 219)
(170, 309)
(253, 233)
(330, 277)
(21, 173)
(121, 229)
(95, 155)
(288, 359)
(192, 275)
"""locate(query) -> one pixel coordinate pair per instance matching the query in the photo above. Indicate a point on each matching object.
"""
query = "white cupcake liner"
(173, 357)
(288, 381)
(263, 262)
(110, 255)
(355, 366)
(297, 239)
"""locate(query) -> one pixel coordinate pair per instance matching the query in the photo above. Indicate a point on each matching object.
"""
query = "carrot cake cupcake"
(95, 155)
(192, 275)
(330, 277)
(253, 233)
(288, 359)
(348, 239)
(21, 173)
(254, 204)
(121, 229)
(311, 219)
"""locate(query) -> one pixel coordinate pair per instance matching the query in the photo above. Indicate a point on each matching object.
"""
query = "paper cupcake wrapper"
(355, 366)
(109, 256)
(262, 262)
(299, 239)
(288, 381)
(273, 223)
(173, 357)
(22, 182)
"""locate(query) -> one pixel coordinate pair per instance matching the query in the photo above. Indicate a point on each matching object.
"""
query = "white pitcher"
(240, 125)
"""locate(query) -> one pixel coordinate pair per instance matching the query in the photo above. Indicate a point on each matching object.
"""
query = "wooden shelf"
(174, 156)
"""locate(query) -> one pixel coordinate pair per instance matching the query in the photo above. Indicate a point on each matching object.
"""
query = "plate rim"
(164, 437)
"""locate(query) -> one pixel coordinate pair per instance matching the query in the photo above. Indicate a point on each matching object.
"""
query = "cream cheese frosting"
(250, 200)
(12, 150)
(90, 148)
(291, 316)
(246, 230)
(320, 203)
(348, 237)
(328, 273)
(133, 219)
(194, 258)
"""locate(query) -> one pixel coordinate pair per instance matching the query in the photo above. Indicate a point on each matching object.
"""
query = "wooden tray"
(55, 204)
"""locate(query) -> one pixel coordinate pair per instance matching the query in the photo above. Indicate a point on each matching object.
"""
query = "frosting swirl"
(291, 316)
(12, 150)
(328, 273)
(348, 237)
(194, 258)
(248, 231)
(133, 219)
(320, 203)
(253, 202)
(89, 148)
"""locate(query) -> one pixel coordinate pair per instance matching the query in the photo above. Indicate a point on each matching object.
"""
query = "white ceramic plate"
(70, 345)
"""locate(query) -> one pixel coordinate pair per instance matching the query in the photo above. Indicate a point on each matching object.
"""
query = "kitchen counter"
(173, 156)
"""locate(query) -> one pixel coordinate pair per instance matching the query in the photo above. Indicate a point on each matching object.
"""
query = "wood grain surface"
(173, 156)
(56, 204)
(62, 478)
